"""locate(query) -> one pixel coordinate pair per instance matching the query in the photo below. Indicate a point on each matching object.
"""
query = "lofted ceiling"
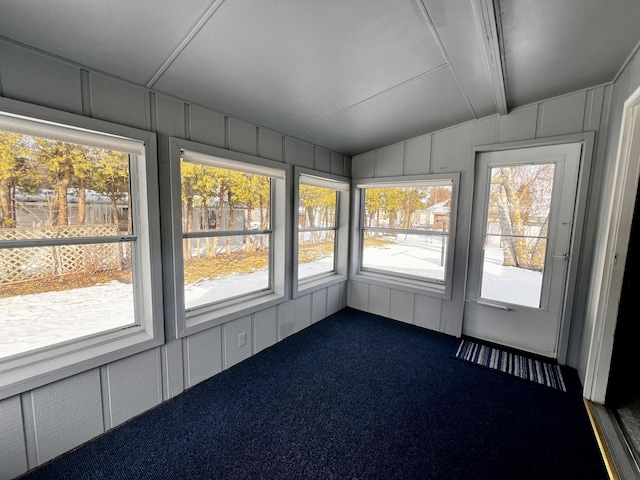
(348, 75)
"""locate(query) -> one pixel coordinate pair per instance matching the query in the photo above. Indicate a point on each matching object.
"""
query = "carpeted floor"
(355, 396)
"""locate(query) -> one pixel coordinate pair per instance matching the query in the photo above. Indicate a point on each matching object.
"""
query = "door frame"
(587, 139)
(613, 243)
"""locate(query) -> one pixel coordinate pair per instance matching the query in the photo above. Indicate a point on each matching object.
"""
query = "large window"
(322, 205)
(406, 231)
(75, 244)
(230, 250)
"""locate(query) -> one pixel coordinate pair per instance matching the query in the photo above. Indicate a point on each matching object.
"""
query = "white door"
(521, 234)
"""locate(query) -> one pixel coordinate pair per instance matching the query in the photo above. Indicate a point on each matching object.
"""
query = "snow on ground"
(33, 321)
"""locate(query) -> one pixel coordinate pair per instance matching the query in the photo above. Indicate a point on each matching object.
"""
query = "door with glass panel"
(521, 237)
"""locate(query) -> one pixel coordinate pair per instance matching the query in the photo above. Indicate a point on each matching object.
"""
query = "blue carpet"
(519, 365)
(355, 396)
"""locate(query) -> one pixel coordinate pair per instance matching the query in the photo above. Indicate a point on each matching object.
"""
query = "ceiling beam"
(487, 22)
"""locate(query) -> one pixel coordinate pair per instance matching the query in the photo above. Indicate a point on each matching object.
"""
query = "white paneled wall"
(451, 150)
(41, 424)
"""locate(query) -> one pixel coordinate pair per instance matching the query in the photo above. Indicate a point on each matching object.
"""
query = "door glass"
(516, 233)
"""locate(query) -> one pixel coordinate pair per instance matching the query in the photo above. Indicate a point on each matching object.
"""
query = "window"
(77, 274)
(407, 231)
(321, 248)
(230, 212)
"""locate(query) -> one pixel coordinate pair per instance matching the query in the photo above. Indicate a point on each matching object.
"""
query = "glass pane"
(317, 207)
(315, 253)
(219, 268)
(57, 189)
(245, 204)
(516, 233)
(421, 208)
(418, 255)
(50, 295)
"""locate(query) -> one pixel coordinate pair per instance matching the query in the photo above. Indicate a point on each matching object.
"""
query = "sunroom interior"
(254, 139)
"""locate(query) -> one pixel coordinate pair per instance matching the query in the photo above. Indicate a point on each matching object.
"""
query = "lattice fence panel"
(22, 264)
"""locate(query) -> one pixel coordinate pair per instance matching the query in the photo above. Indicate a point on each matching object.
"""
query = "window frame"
(44, 365)
(432, 287)
(210, 315)
(342, 186)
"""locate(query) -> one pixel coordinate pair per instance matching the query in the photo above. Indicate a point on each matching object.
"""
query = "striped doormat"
(526, 368)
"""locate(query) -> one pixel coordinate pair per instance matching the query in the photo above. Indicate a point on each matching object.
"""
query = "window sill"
(430, 289)
(40, 367)
(198, 321)
(318, 283)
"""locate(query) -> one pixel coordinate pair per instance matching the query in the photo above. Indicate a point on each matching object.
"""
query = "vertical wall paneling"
(36, 78)
(379, 300)
(451, 149)
(347, 165)
(119, 102)
(520, 124)
(85, 91)
(13, 454)
(66, 414)
(265, 329)
(484, 131)
(561, 115)
(362, 166)
(172, 371)
(207, 126)
(337, 165)
(170, 116)
(318, 305)
(238, 341)
(242, 136)
(298, 153)
(322, 160)
(593, 109)
(426, 312)
(134, 385)
(401, 306)
(302, 313)
(388, 161)
(203, 355)
(271, 145)
(344, 294)
(286, 319)
(359, 295)
(333, 299)
(417, 155)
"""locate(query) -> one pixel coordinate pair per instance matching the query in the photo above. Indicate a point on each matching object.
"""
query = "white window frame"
(35, 368)
(210, 315)
(342, 186)
(431, 287)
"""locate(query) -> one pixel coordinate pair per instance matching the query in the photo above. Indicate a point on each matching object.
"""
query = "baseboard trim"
(613, 445)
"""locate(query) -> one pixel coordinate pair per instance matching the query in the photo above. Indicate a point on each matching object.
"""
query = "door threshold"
(616, 451)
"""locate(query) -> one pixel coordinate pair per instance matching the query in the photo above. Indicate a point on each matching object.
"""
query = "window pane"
(218, 268)
(315, 253)
(63, 189)
(245, 204)
(417, 255)
(317, 207)
(50, 295)
(516, 233)
(503, 280)
(423, 208)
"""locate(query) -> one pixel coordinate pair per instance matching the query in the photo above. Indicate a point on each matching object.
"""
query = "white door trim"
(615, 220)
(588, 141)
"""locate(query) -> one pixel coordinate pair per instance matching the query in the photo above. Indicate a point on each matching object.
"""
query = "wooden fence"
(31, 263)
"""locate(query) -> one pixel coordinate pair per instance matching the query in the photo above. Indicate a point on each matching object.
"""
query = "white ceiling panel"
(456, 27)
(423, 105)
(127, 38)
(288, 64)
(553, 47)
